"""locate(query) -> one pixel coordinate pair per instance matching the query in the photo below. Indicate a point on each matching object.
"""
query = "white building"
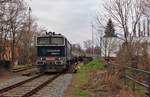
(110, 45)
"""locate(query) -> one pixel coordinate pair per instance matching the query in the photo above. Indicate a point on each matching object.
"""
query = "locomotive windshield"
(50, 41)
(43, 41)
(57, 41)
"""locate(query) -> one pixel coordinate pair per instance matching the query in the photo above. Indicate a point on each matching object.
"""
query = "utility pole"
(92, 40)
(101, 39)
(29, 27)
(29, 19)
(148, 30)
(28, 36)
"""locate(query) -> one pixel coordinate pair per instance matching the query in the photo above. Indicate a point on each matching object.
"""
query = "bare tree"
(77, 50)
(127, 16)
(18, 31)
(16, 15)
(125, 13)
(109, 47)
(88, 46)
(147, 7)
(15, 26)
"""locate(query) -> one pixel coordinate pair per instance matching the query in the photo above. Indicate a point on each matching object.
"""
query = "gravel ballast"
(56, 88)
(13, 81)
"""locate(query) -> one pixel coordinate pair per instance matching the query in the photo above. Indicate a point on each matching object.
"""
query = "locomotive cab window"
(57, 41)
(43, 41)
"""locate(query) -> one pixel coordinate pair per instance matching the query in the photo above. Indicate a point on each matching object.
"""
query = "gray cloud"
(69, 17)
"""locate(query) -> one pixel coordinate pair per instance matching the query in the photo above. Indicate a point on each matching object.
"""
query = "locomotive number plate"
(50, 58)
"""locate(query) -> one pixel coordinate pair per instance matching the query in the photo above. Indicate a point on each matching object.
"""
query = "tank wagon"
(53, 52)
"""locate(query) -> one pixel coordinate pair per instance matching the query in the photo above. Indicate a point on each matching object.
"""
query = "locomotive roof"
(55, 35)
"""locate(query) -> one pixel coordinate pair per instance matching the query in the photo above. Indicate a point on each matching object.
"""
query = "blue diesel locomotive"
(53, 52)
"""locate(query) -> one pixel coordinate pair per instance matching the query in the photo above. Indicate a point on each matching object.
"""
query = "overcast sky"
(70, 17)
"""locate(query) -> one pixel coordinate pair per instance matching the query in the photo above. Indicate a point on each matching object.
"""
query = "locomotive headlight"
(59, 58)
(40, 58)
(40, 61)
(60, 61)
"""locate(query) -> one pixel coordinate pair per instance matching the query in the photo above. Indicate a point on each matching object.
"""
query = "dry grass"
(103, 84)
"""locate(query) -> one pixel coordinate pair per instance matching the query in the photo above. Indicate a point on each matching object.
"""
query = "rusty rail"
(18, 84)
(33, 91)
(40, 86)
(22, 69)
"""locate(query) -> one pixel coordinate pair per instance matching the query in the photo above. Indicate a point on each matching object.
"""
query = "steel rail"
(32, 92)
(18, 84)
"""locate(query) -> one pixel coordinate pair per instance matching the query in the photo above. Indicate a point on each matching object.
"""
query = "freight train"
(54, 53)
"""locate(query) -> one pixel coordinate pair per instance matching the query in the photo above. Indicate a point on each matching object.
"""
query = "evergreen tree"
(110, 30)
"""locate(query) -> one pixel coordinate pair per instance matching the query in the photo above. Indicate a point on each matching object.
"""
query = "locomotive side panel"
(68, 50)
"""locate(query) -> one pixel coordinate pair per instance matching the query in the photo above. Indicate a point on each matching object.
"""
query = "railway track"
(28, 87)
(22, 69)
